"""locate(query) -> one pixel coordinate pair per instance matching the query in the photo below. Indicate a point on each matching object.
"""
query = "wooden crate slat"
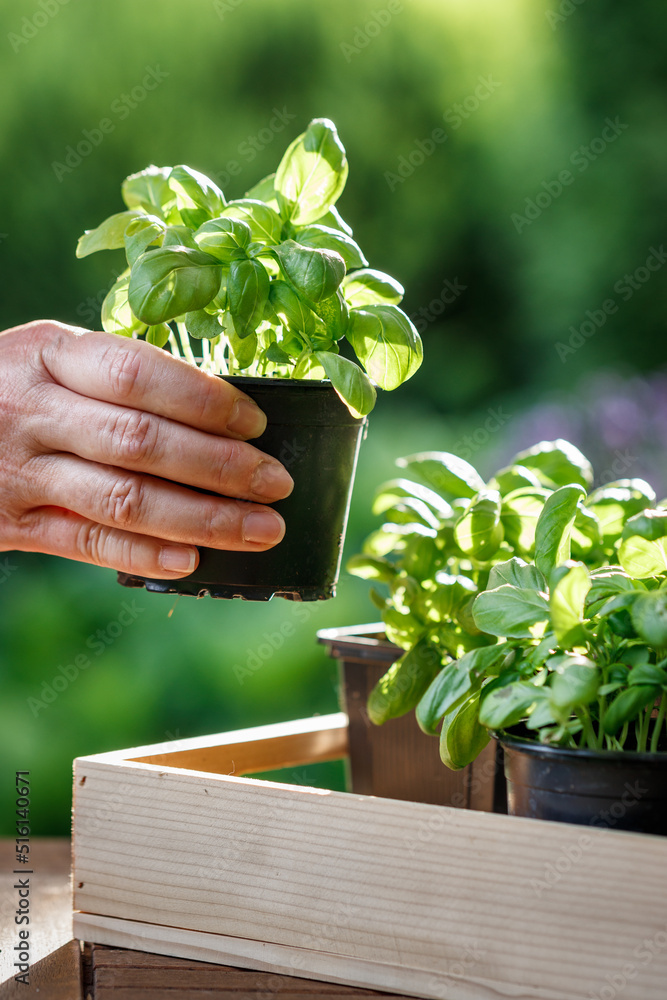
(391, 895)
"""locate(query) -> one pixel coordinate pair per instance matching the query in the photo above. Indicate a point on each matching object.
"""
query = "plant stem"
(645, 723)
(624, 735)
(185, 344)
(588, 731)
(662, 711)
(173, 343)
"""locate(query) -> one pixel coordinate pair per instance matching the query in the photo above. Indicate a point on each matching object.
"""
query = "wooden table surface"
(64, 969)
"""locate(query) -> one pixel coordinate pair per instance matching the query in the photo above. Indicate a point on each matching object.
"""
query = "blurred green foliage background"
(504, 257)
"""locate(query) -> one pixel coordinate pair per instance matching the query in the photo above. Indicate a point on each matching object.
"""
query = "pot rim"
(534, 748)
(292, 383)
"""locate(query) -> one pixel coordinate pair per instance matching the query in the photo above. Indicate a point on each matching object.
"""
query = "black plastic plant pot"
(621, 790)
(311, 431)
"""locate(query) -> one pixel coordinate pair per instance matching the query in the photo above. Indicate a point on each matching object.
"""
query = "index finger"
(133, 373)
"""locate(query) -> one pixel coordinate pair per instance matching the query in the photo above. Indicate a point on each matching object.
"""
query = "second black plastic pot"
(311, 431)
(621, 790)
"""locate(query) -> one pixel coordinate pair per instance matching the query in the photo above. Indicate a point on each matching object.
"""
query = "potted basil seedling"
(271, 292)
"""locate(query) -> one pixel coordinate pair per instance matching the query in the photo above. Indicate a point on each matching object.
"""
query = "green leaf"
(448, 474)
(170, 282)
(606, 583)
(202, 325)
(335, 315)
(411, 510)
(117, 316)
(369, 287)
(371, 568)
(517, 573)
(243, 349)
(265, 191)
(323, 238)
(334, 220)
(513, 477)
(197, 197)
(142, 231)
(613, 505)
(478, 532)
(290, 309)
(396, 490)
(520, 513)
(387, 344)
(399, 690)
(225, 239)
(315, 274)
(248, 291)
(512, 612)
(631, 490)
(149, 191)
(566, 601)
(312, 173)
(503, 706)
(354, 388)
(552, 534)
(277, 355)
(463, 737)
(108, 235)
(641, 558)
(648, 673)
(628, 706)
(556, 463)
(264, 222)
(574, 684)
(158, 335)
(455, 684)
(179, 236)
(649, 617)
(649, 524)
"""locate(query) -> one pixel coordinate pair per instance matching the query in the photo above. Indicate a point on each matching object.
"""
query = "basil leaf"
(170, 282)
(316, 274)
(463, 737)
(628, 705)
(248, 291)
(313, 171)
(401, 687)
(202, 325)
(244, 349)
(554, 526)
(225, 239)
(108, 235)
(504, 706)
(369, 287)
(566, 601)
(197, 197)
(265, 191)
(520, 513)
(353, 387)
(264, 222)
(371, 568)
(290, 309)
(649, 524)
(396, 490)
(649, 617)
(556, 463)
(513, 477)
(455, 684)
(179, 236)
(517, 573)
(511, 612)
(117, 316)
(444, 472)
(605, 584)
(277, 355)
(574, 684)
(334, 220)
(478, 532)
(158, 335)
(142, 232)
(641, 558)
(335, 314)
(149, 190)
(323, 238)
(387, 344)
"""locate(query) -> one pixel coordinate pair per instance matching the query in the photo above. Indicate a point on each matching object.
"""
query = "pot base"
(228, 592)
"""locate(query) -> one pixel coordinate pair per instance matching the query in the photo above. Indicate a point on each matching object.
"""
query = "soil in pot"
(620, 790)
(311, 431)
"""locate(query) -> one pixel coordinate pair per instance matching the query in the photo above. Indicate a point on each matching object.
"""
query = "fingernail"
(263, 526)
(272, 480)
(246, 419)
(176, 559)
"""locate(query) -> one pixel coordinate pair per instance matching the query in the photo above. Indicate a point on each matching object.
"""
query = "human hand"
(96, 433)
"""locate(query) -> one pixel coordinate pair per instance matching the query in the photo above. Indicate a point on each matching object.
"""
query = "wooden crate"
(176, 853)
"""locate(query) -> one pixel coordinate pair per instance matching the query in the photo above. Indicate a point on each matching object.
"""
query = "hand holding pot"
(97, 433)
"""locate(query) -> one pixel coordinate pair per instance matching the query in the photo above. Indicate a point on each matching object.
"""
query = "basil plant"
(529, 599)
(271, 284)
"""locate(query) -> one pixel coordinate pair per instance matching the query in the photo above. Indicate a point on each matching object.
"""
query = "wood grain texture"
(55, 971)
(400, 896)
